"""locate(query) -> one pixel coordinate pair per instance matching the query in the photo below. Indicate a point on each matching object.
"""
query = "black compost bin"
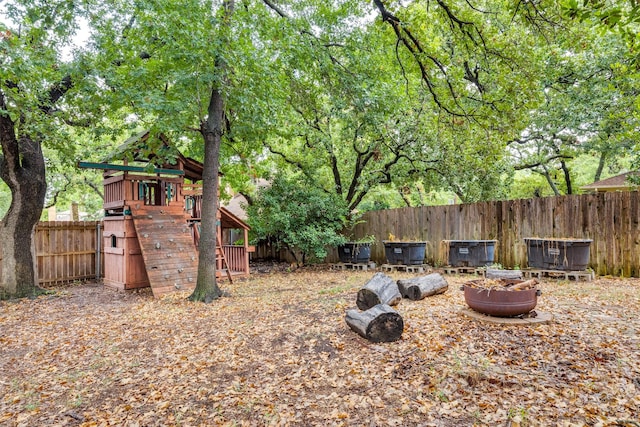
(471, 253)
(355, 253)
(405, 253)
(558, 254)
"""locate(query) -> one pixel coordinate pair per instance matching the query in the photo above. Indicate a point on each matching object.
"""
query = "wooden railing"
(192, 199)
(151, 190)
(114, 193)
(236, 257)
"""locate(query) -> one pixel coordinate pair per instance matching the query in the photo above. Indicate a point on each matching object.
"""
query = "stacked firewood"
(503, 285)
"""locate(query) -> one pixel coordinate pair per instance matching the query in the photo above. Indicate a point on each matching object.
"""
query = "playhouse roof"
(135, 146)
(229, 220)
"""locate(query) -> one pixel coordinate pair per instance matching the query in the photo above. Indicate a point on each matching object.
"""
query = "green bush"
(299, 217)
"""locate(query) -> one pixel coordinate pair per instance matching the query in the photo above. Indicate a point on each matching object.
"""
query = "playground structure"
(152, 223)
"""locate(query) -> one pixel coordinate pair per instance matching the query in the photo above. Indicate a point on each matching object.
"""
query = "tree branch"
(56, 92)
(550, 181)
(405, 36)
(248, 197)
(542, 162)
(284, 157)
(276, 9)
(9, 143)
(94, 187)
(57, 192)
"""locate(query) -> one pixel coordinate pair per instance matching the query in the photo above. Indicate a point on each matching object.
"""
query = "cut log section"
(527, 284)
(380, 323)
(380, 289)
(493, 273)
(421, 287)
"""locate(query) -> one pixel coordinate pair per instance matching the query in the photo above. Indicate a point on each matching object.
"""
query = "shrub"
(301, 218)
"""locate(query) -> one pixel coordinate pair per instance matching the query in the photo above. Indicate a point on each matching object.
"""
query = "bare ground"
(278, 352)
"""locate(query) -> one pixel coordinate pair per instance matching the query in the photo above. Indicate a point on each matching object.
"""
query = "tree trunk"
(567, 176)
(552, 184)
(418, 288)
(380, 289)
(22, 168)
(380, 323)
(75, 212)
(211, 129)
(207, 288)
(601, 163)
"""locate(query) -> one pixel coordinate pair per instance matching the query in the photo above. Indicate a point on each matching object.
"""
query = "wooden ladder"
(221, 259)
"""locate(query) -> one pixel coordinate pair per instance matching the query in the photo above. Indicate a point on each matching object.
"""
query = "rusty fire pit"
(501, 297)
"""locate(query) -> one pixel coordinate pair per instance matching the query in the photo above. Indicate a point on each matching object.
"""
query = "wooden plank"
(127, 168)
(68, 252)
(174, 264)
(65, 251)
(187, 278)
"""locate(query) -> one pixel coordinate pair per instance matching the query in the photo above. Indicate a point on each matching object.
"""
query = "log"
(380, 323)
(421, 287)
(493, 273)
(527, 284)
(380, 289)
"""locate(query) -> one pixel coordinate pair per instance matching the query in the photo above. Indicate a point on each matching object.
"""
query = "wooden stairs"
(167, 248)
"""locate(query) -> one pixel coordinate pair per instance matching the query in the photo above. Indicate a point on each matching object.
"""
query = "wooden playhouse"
(152, 224)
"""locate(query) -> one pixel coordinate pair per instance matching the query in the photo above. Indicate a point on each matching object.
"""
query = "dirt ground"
(278, 352)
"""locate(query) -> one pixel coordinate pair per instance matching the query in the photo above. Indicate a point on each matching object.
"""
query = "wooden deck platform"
(559, 274)
(420, 268)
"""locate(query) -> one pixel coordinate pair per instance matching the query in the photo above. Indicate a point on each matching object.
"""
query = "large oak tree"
(36, 82)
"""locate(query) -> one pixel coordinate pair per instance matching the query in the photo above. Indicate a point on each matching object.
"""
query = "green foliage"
(368, 239)
(5, 199)
(344, 121)
(298, 216)
(588, 109)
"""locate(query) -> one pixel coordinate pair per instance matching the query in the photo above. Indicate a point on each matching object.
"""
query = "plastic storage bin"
(405, 253)
(558, 254)
(471, 253)
(354, 253)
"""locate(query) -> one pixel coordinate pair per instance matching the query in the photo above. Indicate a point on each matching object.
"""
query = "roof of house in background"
(614, 183)
(238, 203)
(236, 206)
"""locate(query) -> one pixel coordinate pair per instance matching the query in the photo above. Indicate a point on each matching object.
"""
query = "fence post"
(98, 250)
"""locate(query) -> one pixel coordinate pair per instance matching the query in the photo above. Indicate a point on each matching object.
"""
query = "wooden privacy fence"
(66, 251)
(609, 219)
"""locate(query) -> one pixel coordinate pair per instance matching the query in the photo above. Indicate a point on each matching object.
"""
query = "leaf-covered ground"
(278, 352)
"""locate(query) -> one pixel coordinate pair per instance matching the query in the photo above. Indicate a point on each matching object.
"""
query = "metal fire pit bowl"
(500, 303)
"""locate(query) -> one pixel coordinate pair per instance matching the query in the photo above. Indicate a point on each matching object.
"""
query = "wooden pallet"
(354, 266)
(566, 275)
(464, 270)
(421, 268)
